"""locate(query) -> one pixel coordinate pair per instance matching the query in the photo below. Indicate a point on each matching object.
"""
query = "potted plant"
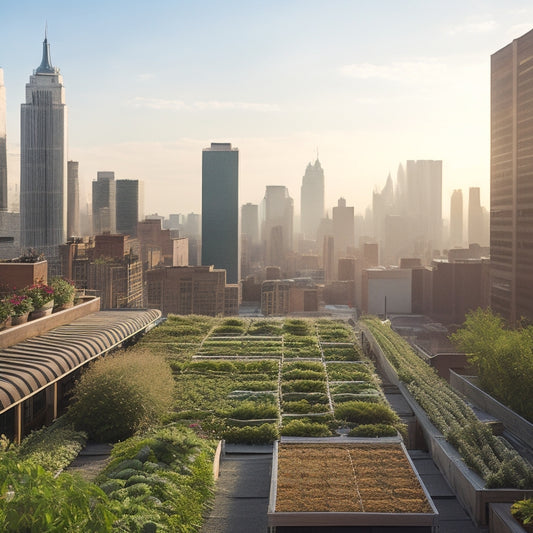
(22, 306)
(42, 297)
(5, 313)
(523, 512)
(64, 292)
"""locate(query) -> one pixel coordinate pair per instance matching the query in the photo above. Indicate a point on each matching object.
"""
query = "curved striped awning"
(27, 367)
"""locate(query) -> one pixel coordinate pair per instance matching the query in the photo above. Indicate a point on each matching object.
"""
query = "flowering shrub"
(40, 294)
(64, 291)
(21, 304)
(6, 309)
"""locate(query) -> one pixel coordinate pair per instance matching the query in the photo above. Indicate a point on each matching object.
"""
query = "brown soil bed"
(347, 478)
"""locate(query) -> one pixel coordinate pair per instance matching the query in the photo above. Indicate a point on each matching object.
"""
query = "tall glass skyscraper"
(312, 200)
(43, 164)
(220, 209)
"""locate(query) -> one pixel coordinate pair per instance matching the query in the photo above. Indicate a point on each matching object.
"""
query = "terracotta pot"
(66, 305)
(21, 319)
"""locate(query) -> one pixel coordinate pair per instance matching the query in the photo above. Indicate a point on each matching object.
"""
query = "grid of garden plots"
(246, 380)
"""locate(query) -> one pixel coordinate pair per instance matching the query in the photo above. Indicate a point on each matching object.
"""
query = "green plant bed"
(236, 422)
(365, 413)
(255, 385)
(298, 327)
(373, 430)
(304, 406)
(349, 371)
(362, 397)
(263, 434)
(311, 397)
(342, 354)
(249, 410)
(265, 327)
(305, 427)
(296, 373)
(303, 385)
(304, 365)
(228, 330)
(352, 388)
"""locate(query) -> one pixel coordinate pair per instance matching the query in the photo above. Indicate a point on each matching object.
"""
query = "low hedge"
(303, 427)
(373, 430)
(365, 413)
(264, 434)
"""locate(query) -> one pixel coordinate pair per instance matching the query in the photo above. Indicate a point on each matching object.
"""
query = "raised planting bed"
(354, 485)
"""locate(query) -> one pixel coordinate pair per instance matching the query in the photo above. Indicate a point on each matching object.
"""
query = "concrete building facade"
(73, 202)
(104, 203)
(129, 203)
(220, 209)
(511, 183)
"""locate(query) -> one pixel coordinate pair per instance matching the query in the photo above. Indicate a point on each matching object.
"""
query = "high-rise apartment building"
(129, 203)
(312, 200)
(511, 183)
(220, 209)
(43, 161)
(73, 203)
(475, 217)
(3, 146)
(250, 222)
(456, 219)
(104, 203)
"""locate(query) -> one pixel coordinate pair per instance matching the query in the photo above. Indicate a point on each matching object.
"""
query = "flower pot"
(42, 311)
(62, 307)
(5, 323)
(21, 319)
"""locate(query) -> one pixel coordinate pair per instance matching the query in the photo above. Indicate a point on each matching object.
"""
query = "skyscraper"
(220, 209)
(312, 200)
(475, 217)
(250, 222)
(104, 203)
(128, 206)
(456, 219)
(343, 227)
(73, 204)
(511, 183)
(3, 147)
(43, 161)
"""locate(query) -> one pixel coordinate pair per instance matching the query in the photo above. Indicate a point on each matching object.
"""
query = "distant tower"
(3, 148)
(104, 203)
(250, 222)
(128, 206)
(220, 209)
(73, 204)
(312, 200)
(43, 161)
(475, 217)
(456, 219)
(343, 227)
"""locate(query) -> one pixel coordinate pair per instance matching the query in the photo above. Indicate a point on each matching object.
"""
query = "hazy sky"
(368, 83)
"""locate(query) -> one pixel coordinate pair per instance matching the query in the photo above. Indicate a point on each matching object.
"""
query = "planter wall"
(467, 485)
(501, 520)
(513, 422)
(21, 275)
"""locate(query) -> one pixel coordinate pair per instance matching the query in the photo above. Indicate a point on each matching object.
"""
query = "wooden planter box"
(319, 484)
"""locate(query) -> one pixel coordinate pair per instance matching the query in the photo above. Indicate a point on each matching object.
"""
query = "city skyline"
(368, 86)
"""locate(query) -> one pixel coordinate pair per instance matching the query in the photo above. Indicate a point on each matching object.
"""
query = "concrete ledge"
(16, 334)
(501, 520)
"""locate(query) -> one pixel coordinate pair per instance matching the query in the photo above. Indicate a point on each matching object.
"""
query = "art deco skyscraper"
(220, 209)
(511, 182)
(3, 149)
(312, 200)
(43, 165)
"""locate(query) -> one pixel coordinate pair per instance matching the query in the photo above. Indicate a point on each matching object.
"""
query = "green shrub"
(297, 327)
(522, 510)
(304, 385)
(373, 430)
(264, 434)
(365, 413)
(303, 374)
(304, 406)
(249, 410)
(121, 394)
(305, 428)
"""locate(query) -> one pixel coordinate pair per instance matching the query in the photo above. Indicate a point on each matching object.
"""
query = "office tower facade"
(475, 217)
(277, 228)
(104, 203)
(343, 227)
(312, 200)
(456, 219)
(511, 186)
(128, 206)
(220, 209)
(43, 161)
(250, 222)
(73, 202)
(3, 145)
